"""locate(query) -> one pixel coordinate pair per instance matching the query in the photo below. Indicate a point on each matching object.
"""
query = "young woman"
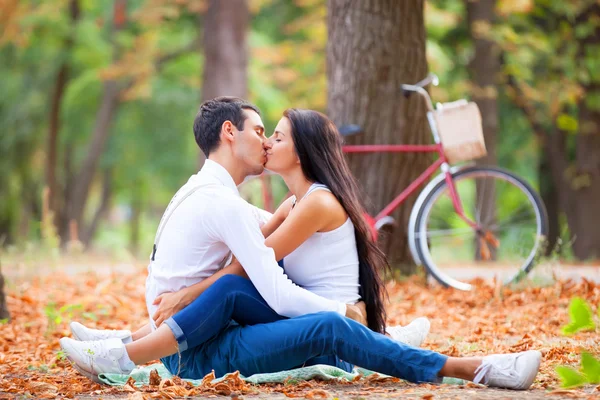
(327, 249)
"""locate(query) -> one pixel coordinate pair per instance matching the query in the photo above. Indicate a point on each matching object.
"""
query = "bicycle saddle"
(349, 130)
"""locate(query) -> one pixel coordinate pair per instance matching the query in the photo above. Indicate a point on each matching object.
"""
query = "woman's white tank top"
(327, 262)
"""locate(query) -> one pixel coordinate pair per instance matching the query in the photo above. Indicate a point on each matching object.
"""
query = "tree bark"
(104, 118)
(4, 314)
(585, 176)
(373, 47)
(62, 80)
(225, 45)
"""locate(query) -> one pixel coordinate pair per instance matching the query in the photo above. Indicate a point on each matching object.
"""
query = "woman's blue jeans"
(263, 341)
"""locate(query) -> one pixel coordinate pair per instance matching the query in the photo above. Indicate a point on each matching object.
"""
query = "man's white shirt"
(202, 230)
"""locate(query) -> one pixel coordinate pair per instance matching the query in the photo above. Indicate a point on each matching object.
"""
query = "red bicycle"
(477, 216)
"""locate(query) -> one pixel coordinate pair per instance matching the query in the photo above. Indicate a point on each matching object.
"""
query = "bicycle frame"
(441, 162)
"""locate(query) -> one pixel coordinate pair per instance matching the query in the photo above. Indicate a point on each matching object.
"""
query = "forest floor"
(106, 294)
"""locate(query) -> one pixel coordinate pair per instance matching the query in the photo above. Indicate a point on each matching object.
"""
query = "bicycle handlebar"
(419, 88)
(431, 78)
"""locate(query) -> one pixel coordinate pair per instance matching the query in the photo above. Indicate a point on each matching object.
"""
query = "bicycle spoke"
(506, 213)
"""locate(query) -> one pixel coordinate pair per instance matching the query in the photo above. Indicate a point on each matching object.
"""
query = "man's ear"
(227, 131)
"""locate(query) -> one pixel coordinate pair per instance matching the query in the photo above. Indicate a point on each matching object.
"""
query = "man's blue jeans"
(207, 340)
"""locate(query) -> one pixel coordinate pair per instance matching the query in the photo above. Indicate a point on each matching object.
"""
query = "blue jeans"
(229, 298)
(207, 340)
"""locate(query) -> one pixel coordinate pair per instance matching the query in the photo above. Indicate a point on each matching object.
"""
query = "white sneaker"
(95, 357)
(510, 371)
(413, 334)
(83, 333)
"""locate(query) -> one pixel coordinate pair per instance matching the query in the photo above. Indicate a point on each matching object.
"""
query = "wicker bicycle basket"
(460, 130)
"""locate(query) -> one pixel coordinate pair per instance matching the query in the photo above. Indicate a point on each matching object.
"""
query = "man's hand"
(168, 304)
(357, 312)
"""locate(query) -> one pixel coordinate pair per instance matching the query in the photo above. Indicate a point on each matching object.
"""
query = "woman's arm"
(171, 303)
(277, 219)
(316, 212)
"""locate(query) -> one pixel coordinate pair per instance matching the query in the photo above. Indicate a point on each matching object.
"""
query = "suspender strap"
(182, 194)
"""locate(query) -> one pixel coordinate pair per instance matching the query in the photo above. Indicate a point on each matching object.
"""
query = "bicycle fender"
(419, 203)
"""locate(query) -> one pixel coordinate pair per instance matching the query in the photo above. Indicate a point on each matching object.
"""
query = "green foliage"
(570, 377)
(590, 366)
(581, 317)
(589, 371)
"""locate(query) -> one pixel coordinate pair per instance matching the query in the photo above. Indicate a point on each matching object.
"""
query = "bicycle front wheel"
(511, 228)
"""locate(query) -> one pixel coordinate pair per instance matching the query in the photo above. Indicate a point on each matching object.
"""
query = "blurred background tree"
(99, 98)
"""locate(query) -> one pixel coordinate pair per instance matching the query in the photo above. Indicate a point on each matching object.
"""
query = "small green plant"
(582, 319)
(42, 368)
(56, 315)
(61, 355)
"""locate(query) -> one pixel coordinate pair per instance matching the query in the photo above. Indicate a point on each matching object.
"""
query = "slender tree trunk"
(104, 118)
(225, 42)
(62, 80)
(555, 191)
(373, 47)
(550, 197)
(484, 69)
(3, 308)
(136, 213)
(102, 209)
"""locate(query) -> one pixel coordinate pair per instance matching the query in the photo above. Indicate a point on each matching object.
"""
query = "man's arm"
(236, 227)
(170, 304)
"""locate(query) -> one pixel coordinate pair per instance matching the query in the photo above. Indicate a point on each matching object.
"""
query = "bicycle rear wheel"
(512, 227)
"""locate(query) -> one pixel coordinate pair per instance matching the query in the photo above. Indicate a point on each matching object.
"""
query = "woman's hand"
(357, 312)
(168, 304)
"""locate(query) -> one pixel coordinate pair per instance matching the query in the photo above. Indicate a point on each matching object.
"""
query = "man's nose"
(267, 144)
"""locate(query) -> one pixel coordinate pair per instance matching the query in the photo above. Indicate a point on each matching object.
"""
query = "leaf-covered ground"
(489, 319)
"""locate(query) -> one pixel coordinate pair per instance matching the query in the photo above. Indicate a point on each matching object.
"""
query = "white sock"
(125, 362)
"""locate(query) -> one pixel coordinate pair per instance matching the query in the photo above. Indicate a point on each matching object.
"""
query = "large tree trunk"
(226, 49)
(585, 180)
(484, 69)
(225, 45)
(54, 124)
(104, 118)
(3, 308)
(374, 46)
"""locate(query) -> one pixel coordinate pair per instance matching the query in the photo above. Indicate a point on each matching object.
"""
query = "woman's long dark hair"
(319, 147)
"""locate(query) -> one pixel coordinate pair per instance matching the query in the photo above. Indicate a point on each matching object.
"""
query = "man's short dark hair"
(211, 116)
